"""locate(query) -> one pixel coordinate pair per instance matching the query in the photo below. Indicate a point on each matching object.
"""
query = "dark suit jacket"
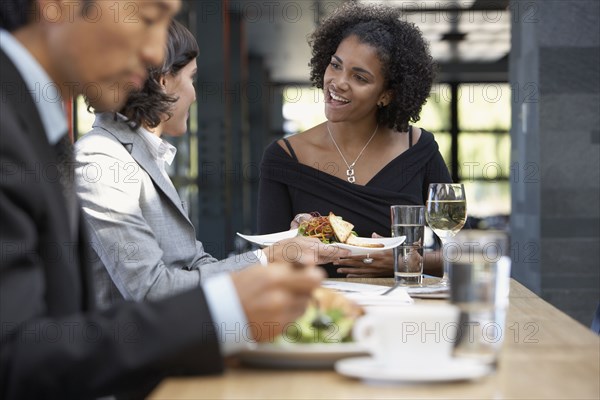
(54, 344)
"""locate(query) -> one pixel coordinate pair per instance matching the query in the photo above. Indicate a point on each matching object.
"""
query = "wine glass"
(446, 214)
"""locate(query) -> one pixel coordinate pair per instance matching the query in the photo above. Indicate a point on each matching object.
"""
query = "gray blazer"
(145, 244)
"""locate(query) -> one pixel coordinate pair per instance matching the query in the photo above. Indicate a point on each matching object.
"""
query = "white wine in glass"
(446, 214)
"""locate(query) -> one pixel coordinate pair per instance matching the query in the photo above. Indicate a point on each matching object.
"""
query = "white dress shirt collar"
(160, 148)
(45, 93)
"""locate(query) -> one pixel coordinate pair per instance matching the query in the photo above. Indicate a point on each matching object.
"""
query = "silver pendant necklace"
(350, 171)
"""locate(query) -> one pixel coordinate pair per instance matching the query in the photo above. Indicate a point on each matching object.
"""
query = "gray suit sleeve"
(149, 250)
(210, 266)
(120, 234)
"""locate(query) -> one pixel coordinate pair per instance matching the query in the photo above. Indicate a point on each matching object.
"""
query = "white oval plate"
(388, 244)
(269, 239)
(300, 355)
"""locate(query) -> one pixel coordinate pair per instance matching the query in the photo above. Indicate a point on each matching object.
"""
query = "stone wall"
(555, 221)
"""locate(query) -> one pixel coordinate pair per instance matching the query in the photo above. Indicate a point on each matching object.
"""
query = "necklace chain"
(350, 171)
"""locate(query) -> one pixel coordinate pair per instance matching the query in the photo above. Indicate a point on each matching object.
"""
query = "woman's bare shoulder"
(303, 140)
(416, 134)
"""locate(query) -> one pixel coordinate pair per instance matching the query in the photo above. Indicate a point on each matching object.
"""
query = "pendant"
(350, 174)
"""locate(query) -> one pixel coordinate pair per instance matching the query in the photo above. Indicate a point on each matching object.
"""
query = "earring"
(380, 105)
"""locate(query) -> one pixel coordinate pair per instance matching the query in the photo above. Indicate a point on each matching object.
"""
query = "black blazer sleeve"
(126, 350)
(53, 343)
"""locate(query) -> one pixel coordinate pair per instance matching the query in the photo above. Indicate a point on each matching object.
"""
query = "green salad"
(303, 331)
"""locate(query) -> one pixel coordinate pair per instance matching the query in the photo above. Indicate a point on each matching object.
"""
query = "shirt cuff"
(231, 326)
(262, 257)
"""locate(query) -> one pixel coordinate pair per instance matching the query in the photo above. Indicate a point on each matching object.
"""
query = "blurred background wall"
(555, 64)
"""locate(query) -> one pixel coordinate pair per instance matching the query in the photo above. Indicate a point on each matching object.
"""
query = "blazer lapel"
(63, 273)
(136, 146)
(141, 155)
(28, 116)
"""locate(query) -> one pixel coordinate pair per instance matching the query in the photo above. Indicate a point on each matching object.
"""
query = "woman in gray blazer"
(144, 242)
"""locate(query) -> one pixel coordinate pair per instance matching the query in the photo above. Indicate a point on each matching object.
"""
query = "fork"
(390, 290)
(321, 320)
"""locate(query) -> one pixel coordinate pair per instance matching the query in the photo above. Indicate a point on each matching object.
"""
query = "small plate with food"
(304, 344)
(333, 230)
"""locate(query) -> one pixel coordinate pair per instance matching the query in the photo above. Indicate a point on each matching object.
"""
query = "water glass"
(479, 277)
(408, 221)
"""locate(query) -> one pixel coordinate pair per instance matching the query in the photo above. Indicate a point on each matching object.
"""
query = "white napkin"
(398, 297)
(370, 295)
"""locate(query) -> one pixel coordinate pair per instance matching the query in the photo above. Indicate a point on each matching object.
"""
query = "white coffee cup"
(417, 334)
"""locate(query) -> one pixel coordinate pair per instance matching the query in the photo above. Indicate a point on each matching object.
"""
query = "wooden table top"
(546, 354)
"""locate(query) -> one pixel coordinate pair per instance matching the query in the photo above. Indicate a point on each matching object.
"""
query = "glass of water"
(480, 290)
(408, 221)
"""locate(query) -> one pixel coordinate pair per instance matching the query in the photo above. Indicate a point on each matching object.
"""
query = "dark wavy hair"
(408, 67)
(149, 105)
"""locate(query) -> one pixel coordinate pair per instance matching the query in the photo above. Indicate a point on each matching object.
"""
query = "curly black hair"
(408, 67)
(151, 104)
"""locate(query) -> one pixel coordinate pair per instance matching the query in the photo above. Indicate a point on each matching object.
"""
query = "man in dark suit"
(54, 343)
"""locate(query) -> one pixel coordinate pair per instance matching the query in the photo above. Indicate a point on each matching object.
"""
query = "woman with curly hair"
(376, 73)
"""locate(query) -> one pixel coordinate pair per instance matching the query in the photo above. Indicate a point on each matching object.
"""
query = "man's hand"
(304, 250)
(275, 296)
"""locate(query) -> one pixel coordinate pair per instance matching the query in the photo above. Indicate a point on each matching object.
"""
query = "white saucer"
(453, 369)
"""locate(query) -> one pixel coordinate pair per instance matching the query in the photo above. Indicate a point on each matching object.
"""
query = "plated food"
(333, 229)
(303, 345)
(272, 238)
(328, 319)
